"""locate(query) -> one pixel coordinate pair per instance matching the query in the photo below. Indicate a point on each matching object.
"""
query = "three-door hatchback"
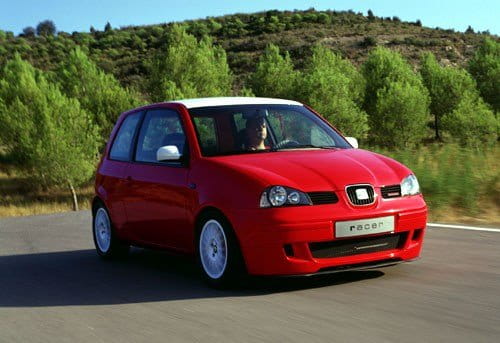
(253, 185)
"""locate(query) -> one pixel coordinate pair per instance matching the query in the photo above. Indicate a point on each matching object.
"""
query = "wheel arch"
(206, 211)
(97, 201)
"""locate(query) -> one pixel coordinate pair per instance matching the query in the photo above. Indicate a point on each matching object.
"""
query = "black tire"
(115, 248)
(234, 272)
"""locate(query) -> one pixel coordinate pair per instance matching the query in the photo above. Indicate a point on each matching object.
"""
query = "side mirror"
(168, 153)
(353, 141)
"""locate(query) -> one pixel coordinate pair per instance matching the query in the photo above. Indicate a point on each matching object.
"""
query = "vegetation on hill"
(126, 52)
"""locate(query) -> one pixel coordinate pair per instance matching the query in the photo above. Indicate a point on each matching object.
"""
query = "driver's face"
(257, 130)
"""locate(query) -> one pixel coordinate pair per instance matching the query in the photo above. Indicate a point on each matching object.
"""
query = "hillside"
(126, 52)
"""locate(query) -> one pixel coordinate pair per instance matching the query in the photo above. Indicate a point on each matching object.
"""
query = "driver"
(255, 133)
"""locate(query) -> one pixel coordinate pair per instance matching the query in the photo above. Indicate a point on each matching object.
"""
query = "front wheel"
(106, 243)
(219, 255)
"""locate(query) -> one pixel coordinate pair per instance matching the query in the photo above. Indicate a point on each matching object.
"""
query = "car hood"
(314, 170)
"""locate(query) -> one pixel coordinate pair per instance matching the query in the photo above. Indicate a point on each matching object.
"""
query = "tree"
(370, 15)
(99, 93)
(472, 123)
(334, 87)
(400, 115)
(447, 86)
(387, 74)
(46, 28)
(485, 68)
(189, 68)
(29, 31)
(469, 30)
(274, 76)
(47, 135)
(108, 27)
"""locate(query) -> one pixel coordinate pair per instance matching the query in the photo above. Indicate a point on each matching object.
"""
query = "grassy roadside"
(18, 197)
(459, 185)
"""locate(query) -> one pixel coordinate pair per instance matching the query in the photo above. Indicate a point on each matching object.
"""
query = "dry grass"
(18, 197)
(489, 215)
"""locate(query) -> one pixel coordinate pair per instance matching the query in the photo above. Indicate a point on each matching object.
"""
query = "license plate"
(351, 228)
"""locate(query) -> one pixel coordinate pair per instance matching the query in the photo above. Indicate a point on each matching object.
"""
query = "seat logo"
(361, 194)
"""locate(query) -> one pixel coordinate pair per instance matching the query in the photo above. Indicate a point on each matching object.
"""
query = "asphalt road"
(54, 288)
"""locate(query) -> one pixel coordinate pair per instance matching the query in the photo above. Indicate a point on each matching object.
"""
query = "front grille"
(356, 246)
(320, 198)
(353, 197)
(392, 191)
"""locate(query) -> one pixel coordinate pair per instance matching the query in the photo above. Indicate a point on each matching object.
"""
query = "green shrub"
(472, 123)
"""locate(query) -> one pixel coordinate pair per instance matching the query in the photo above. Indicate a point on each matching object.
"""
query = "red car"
(253, 185)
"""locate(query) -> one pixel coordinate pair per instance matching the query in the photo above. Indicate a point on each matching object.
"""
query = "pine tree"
(47, 135)
(98, 93)
(335, 88)
(46, 28)
(446, 86)
(485, 68)
(370, 15)
(388, 75)
(188, 68)
(274, 76)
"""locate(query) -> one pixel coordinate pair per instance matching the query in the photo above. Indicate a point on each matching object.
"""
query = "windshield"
(226, 130)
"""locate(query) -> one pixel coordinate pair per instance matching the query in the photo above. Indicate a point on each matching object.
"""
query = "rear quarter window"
(122, 145)
(207, 134)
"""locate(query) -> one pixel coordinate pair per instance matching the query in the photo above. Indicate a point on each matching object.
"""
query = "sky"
(70, 15)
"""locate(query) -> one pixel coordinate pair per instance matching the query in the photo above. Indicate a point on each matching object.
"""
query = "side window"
(122, 144)
(160, 127)
(207, 134)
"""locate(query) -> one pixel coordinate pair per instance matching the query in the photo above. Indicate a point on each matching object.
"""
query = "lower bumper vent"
(348, 247)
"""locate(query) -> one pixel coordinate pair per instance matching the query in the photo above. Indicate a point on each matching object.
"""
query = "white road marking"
(464, 227)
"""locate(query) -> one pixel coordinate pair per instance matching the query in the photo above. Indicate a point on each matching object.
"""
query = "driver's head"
(256, 130)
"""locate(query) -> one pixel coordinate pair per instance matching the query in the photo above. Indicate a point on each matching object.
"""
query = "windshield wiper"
(304, 146)
(241, 152)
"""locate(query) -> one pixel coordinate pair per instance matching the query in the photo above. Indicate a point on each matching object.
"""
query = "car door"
(157, 191)
(111, 177)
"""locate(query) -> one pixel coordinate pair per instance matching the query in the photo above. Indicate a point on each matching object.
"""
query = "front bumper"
(276, 241)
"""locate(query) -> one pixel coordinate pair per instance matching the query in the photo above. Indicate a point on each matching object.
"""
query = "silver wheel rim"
(102, 230)
(213, 249)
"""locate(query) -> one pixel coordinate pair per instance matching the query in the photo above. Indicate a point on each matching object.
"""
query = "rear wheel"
(219, 256)
(106, 242)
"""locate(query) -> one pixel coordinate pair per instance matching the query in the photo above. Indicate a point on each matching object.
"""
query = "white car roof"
(226, 101)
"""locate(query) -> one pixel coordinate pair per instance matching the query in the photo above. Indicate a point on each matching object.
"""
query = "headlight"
(410, 186)
(276, 196)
